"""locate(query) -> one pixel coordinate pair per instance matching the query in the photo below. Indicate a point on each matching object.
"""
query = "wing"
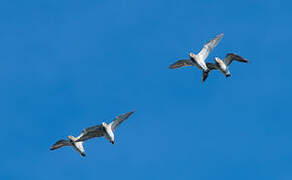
(181, 63)
(91, 132)
(204, 53)
(211, 66)
(230, 57)
(60, 144)
(119, 119)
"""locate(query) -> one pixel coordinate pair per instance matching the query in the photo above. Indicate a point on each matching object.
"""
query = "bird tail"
(205, 74)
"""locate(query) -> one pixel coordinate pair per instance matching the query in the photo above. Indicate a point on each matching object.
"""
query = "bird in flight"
(102, 130)
(222, 65)
(198, 60)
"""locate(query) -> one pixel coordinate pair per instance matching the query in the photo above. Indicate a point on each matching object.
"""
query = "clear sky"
(66, 65)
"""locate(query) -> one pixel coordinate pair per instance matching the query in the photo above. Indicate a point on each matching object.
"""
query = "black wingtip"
(171, 66)
(131, 112)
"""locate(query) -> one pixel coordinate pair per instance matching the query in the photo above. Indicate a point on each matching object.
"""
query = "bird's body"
(223, 65)
(78, 146)
(103, 130)
(198, 60)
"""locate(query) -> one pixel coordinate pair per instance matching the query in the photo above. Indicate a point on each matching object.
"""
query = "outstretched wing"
(119, 119)
(60, 144)
(230, 57)
(211, 66)
(204, 53)
(181, 63)
(91, 132)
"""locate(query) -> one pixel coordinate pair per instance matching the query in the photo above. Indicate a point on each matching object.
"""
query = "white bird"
(106, 130)
(222, 65)
(198, 60)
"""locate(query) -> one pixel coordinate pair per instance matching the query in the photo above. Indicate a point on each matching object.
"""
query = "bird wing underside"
(60, 144)
(211, 66)
(119, 119)
(181, 63)
(230, 57)
(91, 132)
(204, 53)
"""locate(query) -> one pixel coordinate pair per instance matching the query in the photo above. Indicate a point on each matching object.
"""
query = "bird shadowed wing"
(181, 63)
(60, 144)
(91, 132)
(230, 57)
(211, 66)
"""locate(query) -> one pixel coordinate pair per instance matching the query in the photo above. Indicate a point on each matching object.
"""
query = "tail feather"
(205, 75)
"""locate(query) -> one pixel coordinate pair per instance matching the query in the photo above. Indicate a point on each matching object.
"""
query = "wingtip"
(221, 35)
(53, 148)
(132, 112)
(203, 80)
(171, 66)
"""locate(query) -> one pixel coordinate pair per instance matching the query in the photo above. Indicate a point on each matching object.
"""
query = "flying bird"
(222, 65)
(78, 146)
(198, 60)
(103, 130)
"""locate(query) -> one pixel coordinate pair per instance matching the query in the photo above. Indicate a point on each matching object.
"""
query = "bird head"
(71, 138)
(104, 124)
(218, 60)
(192, 54)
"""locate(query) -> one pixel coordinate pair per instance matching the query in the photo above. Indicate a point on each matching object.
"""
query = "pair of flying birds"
(102, 130)
(198, 60)
(107, 130)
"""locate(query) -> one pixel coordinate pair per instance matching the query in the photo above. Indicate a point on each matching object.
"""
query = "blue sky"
(67, 65)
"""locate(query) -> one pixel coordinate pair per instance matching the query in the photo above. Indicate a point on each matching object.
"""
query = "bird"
(198, 60)
(222, 65)
(104, 129)
(78, 146)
